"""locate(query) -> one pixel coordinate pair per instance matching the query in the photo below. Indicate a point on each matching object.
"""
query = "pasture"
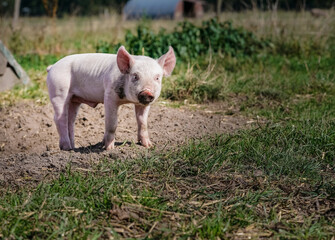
(244, 133)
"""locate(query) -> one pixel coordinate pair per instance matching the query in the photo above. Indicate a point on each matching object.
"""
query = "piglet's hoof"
(109, 145)
(65, 147)
(146, 143)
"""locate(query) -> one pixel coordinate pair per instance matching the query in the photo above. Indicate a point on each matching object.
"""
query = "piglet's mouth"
(145, 97)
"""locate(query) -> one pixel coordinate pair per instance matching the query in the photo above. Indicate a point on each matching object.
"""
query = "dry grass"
(81, 34)
(299, 25)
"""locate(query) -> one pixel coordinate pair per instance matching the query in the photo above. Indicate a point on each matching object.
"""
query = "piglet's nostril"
(145, 97)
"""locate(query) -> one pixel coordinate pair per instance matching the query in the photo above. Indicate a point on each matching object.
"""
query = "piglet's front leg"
(142, 113)
(111, 110)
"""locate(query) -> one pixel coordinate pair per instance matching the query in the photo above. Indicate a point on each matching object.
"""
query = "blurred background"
(210, 38)
(59, 26)
(61, 8)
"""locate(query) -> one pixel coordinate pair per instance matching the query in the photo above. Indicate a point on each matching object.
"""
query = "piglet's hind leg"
(61, 108)
(73, 110)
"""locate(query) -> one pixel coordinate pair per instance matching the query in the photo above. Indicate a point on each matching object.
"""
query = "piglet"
(111, 79)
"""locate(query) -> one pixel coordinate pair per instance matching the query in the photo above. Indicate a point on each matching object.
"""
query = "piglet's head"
(142, 76)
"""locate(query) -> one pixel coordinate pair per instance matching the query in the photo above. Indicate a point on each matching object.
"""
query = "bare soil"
(29, 149)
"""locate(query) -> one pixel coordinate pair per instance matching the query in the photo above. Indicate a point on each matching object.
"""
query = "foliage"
(36, 62)
(190, 41)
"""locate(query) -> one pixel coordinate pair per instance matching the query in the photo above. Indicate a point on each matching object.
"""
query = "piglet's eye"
(136, 77)
(157, 78)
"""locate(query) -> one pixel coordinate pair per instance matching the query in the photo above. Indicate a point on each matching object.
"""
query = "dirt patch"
(29, 140)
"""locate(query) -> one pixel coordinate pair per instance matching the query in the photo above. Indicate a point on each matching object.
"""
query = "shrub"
(190, 41)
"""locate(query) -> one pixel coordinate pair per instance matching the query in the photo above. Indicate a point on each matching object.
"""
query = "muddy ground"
(29, 141)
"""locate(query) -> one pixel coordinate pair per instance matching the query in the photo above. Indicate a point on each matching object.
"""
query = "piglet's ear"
(168, 62)
(124, 60)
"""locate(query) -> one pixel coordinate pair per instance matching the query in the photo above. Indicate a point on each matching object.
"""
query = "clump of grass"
(36, 90)
(297, 149)
(194, 83)
(269, 81)
(33, 92)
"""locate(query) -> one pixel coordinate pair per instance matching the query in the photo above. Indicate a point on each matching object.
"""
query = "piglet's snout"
(145, 97)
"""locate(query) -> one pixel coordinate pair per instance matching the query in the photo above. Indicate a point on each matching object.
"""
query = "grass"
(240, 185)
(275, 180)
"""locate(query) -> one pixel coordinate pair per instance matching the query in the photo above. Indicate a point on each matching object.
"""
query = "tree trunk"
(254, 5)
(218, 8)
(275, 6)
(16, 13)
(303, 5)
(50, 7)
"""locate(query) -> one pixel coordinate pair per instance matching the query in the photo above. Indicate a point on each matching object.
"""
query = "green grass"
(295, 149)
(273, 84)
(244, 183)
(265, 78)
